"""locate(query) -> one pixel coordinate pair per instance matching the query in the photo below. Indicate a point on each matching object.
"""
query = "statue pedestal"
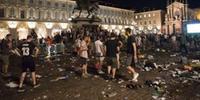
(83, 20)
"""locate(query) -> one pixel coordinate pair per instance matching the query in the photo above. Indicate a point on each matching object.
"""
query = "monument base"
(86, 20)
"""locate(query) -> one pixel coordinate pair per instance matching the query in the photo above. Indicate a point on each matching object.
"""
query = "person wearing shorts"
(99, 55)
(111, 46)
(26, 51)
(6, 45)
(84, 56)
(131, 54)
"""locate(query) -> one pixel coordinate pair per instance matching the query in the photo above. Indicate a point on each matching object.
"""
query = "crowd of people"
(105, 46)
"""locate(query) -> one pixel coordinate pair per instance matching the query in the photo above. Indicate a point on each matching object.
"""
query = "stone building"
(45, 17)
(150, 21)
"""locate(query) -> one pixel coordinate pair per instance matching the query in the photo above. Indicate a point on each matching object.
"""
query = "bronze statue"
(91, 6)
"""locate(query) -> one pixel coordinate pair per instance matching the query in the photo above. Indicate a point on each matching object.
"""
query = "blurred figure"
(5, 49)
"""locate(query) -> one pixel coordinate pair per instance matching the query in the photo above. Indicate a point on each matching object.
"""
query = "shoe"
(135, 76)
(20, 90)
(100, 72)
(36, 85)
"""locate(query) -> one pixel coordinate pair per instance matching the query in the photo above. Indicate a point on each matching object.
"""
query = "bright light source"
(3, 33)
(22, 33)
(63, 25)
(49, 25)
(31, 25)
(193, 28)
(12, 24)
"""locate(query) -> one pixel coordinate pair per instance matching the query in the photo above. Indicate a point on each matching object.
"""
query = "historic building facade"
(45, 17)
(167, 21)
(150, 21)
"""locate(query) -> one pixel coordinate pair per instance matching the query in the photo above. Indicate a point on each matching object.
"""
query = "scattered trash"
(60, 78)
(12, 85)
(77, 95)
(112, 94)
(44, 97)
(61, 69)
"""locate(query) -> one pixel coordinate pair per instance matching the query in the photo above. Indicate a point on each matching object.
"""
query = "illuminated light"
(23, 33)
(31, 25)
(120, 27)
(149, 27)
(12, 24)
(49, 25)
(3, 33)
(132, 27)
(55, 32)
(69, 19)
(113, 27)
(159, 27)
(105, 26)
(141, 28)
(63, 25)
(126, 26)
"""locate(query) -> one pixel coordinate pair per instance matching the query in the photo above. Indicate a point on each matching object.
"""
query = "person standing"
(131, 54)
(26, 51)
(6, 46)
(99, 51)
(83, 52)
(111, 49)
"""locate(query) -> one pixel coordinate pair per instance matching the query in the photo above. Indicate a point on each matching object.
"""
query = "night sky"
(141, 5)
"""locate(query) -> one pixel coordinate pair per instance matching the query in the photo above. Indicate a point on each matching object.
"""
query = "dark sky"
(141, 5)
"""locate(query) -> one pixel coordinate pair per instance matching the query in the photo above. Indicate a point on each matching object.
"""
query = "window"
(145, 15)
(149, 15)
(22, 14)
(145, 22)
(31, 1)
(22, 1)
(154, 22)
(140, 16)
(40, 2)
(31, 13)
(154, 15)
(63, 5)
(56, 4)
(48, 3)
(2, 13)
(136, 17)
(140, 23)
(149, 22)
(12, 12)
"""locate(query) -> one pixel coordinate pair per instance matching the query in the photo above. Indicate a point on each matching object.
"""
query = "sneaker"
(100, 72)
(135, 76)
(36, 85)
(20, 90)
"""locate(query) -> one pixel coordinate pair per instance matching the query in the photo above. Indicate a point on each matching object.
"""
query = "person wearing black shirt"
(131, 54)
(111, 54)
(5, 49)
(26, 52)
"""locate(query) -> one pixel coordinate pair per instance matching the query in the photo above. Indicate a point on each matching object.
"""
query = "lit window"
(145, 15)
(154, 15)
(140, 16)
(136, 17)
(149, 15)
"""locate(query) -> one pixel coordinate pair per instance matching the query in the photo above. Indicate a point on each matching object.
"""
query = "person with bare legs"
(131, 54)
(26, 52)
